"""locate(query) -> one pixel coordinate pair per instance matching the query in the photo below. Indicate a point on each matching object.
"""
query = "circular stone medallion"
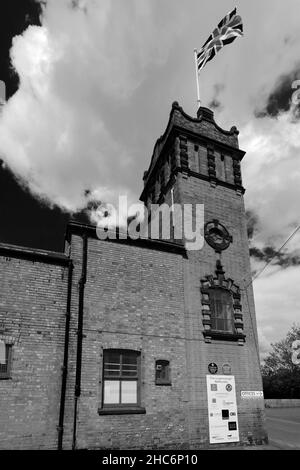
(217, 236)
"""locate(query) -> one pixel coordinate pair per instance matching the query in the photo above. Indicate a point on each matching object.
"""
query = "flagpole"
(197, 80)
(172, 205)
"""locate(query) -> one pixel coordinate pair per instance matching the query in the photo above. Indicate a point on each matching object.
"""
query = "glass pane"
(129, 364)
(129, 358)
(112, 357)
(218, 308)
(4, 357)
(221, 310)
(129, 391)
(128, 373)
(112, 365)
(112, 370)
(111, 391)
(162, 371)
(129, 370)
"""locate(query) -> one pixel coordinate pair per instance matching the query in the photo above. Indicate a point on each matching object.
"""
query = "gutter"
(60, 427)
(82, 282)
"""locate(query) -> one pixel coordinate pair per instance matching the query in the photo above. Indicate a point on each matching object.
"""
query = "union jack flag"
(228, 29)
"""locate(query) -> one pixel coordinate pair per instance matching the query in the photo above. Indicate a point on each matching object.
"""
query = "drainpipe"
(82, 282)
(60, 427)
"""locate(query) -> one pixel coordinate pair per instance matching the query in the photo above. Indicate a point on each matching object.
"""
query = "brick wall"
(218, 187)
(133, 300)
(32, 313)
(227, 206)
(146, 298)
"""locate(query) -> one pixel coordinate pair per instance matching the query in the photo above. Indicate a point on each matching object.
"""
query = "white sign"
(252, 394)
(222, 409)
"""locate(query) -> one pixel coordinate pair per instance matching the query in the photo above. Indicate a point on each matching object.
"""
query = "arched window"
(221, 308)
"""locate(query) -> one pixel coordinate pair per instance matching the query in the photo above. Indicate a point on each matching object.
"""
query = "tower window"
(5, 360)
(121, 377)
(221, 308)
(162, 372)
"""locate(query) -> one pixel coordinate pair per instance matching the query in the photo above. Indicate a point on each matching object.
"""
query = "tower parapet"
(193, 146)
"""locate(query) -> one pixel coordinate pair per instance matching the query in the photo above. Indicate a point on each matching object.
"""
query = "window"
(162, 372)
(121, 380)
(5, 360)
(221, 308)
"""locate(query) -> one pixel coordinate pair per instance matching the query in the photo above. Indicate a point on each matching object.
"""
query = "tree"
(281, 377)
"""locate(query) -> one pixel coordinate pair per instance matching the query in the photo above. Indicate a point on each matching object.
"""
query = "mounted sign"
(212, 368)
(226, 369)
(222, 409)
(252, 394)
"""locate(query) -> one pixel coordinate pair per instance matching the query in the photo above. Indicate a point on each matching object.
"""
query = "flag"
(228, 29)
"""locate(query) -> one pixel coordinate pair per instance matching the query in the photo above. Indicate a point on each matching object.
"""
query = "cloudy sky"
(96, 82)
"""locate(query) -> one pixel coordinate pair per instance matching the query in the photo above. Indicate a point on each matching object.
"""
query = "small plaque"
(212, 368)
(226, 369)
(252, 394)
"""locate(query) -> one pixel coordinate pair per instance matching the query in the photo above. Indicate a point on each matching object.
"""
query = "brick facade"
(32, 317)
(141, 295)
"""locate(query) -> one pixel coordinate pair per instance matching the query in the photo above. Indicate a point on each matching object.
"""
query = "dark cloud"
(268, 253)
(76, 5)
(280, 98)
(252, 223)
(215, 103)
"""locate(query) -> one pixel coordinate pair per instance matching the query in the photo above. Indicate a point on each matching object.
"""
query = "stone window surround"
(219, 281)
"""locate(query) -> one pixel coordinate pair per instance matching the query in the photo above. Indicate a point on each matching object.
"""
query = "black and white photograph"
(149, 229)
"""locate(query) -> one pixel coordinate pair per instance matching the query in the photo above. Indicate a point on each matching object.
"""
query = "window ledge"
(163, 384)
(122, 410)
(223, 335)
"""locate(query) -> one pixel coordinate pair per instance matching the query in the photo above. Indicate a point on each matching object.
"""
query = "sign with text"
(252, 394)
(222, 409)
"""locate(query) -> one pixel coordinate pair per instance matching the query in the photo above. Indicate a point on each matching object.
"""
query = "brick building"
(120, 343)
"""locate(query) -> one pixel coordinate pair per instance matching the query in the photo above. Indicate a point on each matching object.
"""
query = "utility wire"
(276, 253)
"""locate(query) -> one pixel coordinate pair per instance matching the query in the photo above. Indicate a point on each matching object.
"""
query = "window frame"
(220, 281)
(159, 380)
(121, 408)
(214, 318)
(4, 375)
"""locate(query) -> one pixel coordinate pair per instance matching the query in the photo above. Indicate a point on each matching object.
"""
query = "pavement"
(283, 425)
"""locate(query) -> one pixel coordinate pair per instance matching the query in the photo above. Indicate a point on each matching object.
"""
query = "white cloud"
(96, 84)
(278, 303)
(54, 133)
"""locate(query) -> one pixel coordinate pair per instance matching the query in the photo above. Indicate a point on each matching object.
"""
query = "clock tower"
(195, 162)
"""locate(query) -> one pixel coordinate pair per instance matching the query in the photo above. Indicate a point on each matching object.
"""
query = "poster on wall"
(222, 409)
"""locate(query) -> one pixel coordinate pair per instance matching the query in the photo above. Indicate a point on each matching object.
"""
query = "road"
(283, 426)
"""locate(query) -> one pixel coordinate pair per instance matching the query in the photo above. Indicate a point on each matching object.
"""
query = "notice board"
(222, 409)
